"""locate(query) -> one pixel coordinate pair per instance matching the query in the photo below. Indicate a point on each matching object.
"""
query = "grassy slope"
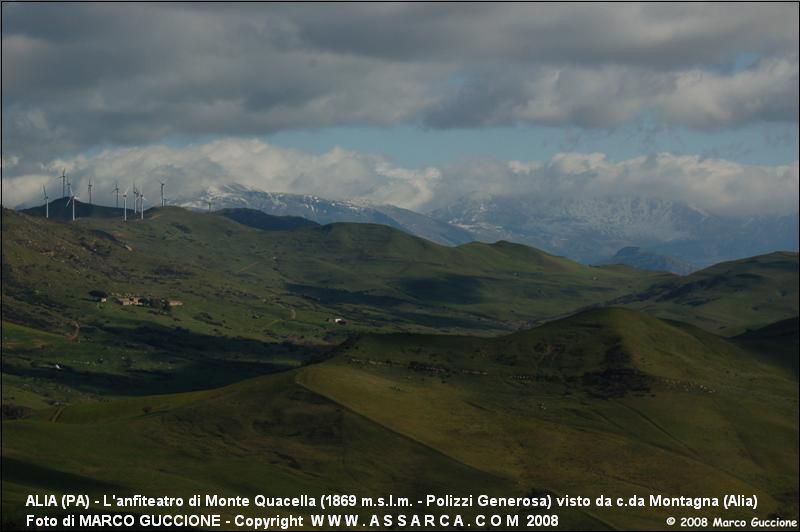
(730, 297)
(386, 277)
(254, 301)
(609, 400)
(267, 435)
(778, 342)
(412, 414)
(696, 426)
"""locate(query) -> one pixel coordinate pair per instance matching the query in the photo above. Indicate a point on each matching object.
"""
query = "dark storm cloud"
(82, 75)
(652, 35)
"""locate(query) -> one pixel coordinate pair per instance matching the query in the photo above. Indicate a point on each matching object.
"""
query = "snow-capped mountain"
(326, 211)
(588, 230)
(593, 230)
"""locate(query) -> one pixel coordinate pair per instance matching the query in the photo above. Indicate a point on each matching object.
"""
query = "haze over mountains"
(672, 235)
(325, 211)
(591, 230)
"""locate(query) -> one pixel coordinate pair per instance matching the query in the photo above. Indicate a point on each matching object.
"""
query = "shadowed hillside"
(728, 297)
(61, 209)
(779, 342)
(611, 399)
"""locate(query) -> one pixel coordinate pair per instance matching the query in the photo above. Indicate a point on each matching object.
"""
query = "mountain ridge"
(324, 211)
(591, 230)
(639, 258)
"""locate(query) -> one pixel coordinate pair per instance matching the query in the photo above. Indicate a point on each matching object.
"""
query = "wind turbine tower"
(141, 207)
(90, 192)
(125, 207)
(72, 200)
(64, 183)
(162, 194)
(116, 190)
(46, 203)
(209, 205)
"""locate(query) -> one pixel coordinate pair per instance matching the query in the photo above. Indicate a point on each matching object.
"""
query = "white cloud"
(187, 171)
(716, 185)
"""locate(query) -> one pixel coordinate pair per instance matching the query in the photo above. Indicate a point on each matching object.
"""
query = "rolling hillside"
(493, 368)
(608, 400)
(260, 220)
(248, 301)
(611, 399)
(779, 342)
(380, 276)
(61, 209)
(255, 300)
(729, 297)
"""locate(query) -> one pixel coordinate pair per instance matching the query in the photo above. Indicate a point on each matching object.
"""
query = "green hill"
(252, 301)
(779, 342)
(255, 301)
(379, 276)
(729, 297)
(61, 209)
(607, 401)
(483, 368)
(267, 222)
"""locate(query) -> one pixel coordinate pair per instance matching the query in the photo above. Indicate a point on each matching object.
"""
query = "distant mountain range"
(675, 236)
(641, 232)
(325, 211)
(593, 230)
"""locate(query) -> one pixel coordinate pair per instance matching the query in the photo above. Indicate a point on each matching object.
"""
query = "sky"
(418, 105)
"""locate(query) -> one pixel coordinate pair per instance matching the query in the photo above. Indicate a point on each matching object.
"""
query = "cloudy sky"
(415, 105)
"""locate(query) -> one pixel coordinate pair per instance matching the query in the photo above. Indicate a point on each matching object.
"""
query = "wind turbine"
(63, 183)
(135, 198)
(116, 189)
(125, 208)
(90, 192)
(69, 188)
(72, 200)
(46, 203)
(162, 194)
(141, 207)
